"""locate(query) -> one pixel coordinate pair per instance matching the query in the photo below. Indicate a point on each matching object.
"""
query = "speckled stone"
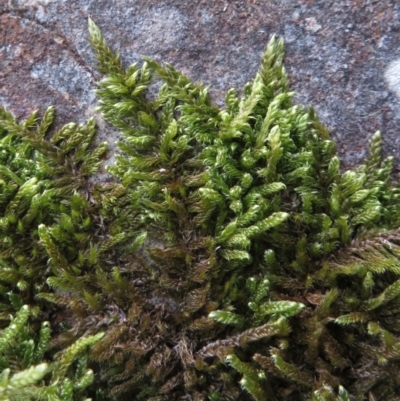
(343, 56)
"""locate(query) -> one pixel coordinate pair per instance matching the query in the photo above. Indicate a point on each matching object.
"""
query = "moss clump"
(229, 259)
(24, 376)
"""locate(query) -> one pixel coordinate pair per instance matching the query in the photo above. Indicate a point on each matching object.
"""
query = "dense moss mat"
(229, 258)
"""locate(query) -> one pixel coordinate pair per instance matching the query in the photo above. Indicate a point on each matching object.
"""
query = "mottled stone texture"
(343, 56)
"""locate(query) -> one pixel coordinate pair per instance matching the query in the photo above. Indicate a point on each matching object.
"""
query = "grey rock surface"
(343, 56)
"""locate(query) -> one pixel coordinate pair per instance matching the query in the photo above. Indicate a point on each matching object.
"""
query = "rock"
(343, 56)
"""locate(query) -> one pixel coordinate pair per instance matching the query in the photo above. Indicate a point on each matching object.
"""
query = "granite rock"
(343, 56)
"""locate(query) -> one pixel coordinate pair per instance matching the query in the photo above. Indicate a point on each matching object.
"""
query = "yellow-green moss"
(230, 258)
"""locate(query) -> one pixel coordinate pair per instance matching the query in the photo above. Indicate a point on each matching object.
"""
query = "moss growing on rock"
(229, 259)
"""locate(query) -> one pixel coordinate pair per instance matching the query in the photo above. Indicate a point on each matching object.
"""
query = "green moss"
(25, 376)
(230, 258)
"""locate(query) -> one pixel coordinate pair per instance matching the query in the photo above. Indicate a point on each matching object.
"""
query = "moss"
(230, 258)
(26, 377)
